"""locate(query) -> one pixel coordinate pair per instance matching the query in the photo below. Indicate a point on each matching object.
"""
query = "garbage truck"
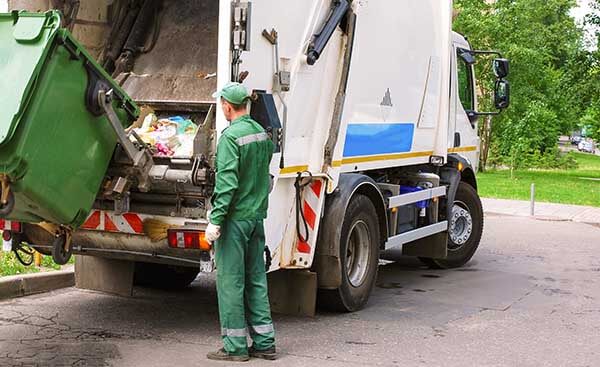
(372, 107)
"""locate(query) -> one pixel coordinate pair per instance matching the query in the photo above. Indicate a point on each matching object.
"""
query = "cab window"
(465, 84)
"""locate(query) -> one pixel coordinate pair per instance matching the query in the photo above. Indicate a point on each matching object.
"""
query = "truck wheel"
(164, 276)
(465, 229)
(359, 255)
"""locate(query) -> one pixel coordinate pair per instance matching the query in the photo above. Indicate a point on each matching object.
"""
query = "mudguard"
(327, 263)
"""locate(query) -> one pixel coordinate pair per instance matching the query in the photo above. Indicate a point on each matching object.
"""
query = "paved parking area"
(529, 298)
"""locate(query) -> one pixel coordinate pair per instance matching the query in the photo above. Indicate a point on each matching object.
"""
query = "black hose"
(299, 212)
(17, 249)
(268, 258)
(156, 31)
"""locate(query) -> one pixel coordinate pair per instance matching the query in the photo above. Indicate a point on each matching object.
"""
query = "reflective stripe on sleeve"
(248, 139)
(262, 329)
(235, 333)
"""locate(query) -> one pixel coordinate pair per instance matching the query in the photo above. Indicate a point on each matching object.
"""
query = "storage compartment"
(407, 218)
(55, 143)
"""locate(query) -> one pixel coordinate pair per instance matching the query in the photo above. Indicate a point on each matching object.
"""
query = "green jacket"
(242, 184)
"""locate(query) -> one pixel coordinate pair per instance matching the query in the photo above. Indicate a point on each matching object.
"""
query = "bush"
(534, 159)
(551, 159)
(9, 265)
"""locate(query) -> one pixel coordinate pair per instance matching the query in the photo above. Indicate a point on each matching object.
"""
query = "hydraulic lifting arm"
(320, 40)
(141, 157)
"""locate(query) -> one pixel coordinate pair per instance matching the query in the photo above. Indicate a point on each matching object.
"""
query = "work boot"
(268, 354)
(223, 355)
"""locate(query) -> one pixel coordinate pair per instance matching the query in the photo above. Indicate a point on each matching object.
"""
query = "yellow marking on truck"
(462, 149)
(293, 169)
(385, 157)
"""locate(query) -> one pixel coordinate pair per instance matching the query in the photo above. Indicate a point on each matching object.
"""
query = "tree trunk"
(485, 133)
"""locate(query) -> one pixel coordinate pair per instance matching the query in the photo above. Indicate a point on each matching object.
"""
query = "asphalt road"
(529, 298)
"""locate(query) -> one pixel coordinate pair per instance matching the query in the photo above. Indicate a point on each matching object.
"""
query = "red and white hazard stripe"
(100, 220)
(312, 203)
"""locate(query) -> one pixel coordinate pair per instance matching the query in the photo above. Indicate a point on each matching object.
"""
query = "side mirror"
(501, 68)
(502, 94)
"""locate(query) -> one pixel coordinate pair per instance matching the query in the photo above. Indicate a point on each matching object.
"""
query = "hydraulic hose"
(299, 186)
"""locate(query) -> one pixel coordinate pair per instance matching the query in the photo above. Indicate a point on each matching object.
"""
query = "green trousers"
(242, 287)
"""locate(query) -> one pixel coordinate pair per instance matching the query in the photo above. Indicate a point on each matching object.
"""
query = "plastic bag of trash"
(172, 136)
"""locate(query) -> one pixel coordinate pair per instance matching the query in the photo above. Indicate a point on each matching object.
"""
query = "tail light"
(15, 227)
(7, 225)
(189, 239)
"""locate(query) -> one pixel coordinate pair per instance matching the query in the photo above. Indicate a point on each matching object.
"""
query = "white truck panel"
(396, 110)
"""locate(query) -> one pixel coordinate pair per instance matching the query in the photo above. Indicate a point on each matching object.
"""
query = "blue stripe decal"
(378, 138)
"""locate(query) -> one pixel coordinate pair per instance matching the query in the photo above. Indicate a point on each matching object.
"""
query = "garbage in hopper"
(168, 137)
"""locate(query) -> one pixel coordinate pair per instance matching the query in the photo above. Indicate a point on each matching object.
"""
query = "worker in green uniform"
(239, 206)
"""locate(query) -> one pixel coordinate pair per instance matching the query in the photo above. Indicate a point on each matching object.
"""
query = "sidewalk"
(574, 213)
(26, 284)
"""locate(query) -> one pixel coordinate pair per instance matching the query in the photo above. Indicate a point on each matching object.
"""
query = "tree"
(550, 68)
(591, 119)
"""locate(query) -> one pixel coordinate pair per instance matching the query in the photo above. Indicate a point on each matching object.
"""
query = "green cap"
(234, 93)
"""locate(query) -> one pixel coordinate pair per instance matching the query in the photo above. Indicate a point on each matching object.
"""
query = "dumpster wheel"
(61, 248)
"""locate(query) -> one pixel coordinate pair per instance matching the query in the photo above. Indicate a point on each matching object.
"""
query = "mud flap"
(293, 292)
(435, 247)
(104, 275)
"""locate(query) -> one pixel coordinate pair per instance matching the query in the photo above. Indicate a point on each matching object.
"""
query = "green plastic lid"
(23, 44)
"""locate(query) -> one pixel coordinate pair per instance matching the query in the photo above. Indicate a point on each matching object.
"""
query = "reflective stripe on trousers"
(262, 329)
(235, 333)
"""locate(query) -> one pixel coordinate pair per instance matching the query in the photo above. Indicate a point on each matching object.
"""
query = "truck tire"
(163, 276)
(465, 229)
(359, 256)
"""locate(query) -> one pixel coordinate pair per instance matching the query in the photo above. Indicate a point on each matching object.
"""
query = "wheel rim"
(461, 225)
(357, 253)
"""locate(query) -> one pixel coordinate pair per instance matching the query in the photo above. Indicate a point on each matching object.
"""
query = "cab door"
(463, 133)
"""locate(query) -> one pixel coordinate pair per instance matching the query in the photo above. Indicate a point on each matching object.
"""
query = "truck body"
(372, 107)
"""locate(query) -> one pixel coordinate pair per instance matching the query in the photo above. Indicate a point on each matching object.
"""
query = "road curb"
(544, 211)
(28, 284)
(542, 218)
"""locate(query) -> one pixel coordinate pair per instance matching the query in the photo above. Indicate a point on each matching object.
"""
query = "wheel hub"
(357, 253)
(461, 225)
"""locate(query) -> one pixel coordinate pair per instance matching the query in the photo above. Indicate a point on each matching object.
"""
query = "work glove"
(212, 233)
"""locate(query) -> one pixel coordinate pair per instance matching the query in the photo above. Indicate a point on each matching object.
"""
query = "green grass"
(9, 265)
(554, 186)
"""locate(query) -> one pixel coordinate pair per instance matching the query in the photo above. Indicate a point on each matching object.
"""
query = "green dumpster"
(55, 142)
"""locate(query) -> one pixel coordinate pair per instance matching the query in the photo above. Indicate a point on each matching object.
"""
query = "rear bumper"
(132, 248)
